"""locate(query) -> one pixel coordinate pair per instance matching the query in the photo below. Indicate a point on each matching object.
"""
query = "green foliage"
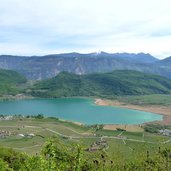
(120, 129)
(39, 116)
(154, 128)
(154, 99)
(4, 166)
(104, 85)
(11, 159)
(9, 81)
(97, 127)
(58, 157)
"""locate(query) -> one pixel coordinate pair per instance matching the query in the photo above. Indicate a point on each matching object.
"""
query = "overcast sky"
(39, 27)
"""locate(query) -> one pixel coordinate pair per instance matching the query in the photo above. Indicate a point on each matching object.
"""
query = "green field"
(154, 99)
(43, 129)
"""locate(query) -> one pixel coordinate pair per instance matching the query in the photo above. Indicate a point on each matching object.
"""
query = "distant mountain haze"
(42, 67)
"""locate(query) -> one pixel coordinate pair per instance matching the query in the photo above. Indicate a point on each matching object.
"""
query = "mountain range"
(42, 67)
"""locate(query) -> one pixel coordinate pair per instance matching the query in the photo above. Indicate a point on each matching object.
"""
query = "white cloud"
(54, 26)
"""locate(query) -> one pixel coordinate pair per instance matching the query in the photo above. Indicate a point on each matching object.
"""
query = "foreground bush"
(56, 156)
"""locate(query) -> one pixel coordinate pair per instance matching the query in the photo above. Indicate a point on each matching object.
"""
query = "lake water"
(77, 109)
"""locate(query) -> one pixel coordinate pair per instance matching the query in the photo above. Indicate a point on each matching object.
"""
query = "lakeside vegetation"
(154, 99)
(155, 128)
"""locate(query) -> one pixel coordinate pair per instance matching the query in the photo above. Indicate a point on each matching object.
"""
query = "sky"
(40, 27)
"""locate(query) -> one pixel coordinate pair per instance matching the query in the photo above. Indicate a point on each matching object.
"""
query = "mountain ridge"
(42, 67)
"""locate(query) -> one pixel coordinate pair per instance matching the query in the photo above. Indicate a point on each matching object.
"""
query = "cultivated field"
(29, 134)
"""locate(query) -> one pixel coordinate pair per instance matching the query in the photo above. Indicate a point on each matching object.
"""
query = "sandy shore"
(163, 110)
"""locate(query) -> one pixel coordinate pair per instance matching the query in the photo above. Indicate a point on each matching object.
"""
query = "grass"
(108, 132)
(155, 137)
(154, 99)
(38, 127)
(133, 135)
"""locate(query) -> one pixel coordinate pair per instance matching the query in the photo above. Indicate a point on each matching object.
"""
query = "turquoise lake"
(77, 109)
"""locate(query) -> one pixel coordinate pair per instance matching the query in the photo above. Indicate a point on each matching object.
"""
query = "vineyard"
(51, 144)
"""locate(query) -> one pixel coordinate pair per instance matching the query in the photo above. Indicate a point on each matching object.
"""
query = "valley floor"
(29, 134)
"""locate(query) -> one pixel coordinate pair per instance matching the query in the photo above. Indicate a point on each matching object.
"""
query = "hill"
(42, 67)
(119, 82)
(10, 81)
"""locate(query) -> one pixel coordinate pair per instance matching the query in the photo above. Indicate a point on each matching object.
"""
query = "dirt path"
(27, 147)
(109, 137)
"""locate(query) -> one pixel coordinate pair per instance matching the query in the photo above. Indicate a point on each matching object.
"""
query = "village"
(165, 132)
(98, 145)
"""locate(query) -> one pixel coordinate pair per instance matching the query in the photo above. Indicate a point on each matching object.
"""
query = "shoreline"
(161, 110)
(16, 97)
(73, 122)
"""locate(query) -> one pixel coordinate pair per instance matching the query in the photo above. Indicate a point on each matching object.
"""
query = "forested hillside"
(102, 84)
(9, 81)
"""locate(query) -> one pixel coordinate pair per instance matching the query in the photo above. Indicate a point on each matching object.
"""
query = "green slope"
(9, 81)
(104, 85)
